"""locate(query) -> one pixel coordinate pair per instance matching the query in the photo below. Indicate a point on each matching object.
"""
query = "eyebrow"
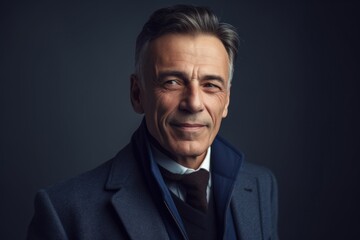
(177, 74)
(182, 75)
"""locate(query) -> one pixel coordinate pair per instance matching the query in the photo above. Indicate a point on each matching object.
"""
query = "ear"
(135, 94)
(225, 111)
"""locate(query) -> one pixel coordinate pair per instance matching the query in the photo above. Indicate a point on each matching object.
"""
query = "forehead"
(203, 50)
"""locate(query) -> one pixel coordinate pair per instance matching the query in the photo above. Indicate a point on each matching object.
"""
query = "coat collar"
(225, 166)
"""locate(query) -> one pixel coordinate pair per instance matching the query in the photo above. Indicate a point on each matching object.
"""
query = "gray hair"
(186, 19)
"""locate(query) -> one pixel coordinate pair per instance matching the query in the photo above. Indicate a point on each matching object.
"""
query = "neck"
(190, 162)
(193, 162)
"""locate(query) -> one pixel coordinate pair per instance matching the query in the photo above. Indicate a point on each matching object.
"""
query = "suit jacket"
(122, 199)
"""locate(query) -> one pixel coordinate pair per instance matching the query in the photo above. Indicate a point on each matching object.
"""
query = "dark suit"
(124, 199)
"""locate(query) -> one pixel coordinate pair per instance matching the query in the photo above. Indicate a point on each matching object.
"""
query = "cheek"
(164, 106)
(167, 101)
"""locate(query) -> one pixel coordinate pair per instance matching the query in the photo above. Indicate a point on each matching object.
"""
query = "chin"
(190, 149)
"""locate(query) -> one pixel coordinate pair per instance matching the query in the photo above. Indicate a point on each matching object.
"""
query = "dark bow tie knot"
(195, 185)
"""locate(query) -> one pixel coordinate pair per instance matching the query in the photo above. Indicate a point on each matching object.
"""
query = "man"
(176, 179)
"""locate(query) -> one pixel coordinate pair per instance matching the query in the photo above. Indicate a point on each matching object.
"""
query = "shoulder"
(260, 177)
(228, 151)
(89, 184)
(255, 170)
(79, 205)
(263, 175)
(77, 193)
(246, 167)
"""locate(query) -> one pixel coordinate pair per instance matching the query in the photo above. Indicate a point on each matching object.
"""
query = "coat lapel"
(139, 215)
(132, 200)
(246, 208)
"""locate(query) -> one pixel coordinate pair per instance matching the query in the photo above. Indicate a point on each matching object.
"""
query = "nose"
(192, 99)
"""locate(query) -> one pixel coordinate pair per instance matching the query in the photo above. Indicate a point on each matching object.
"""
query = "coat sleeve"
(46, 223)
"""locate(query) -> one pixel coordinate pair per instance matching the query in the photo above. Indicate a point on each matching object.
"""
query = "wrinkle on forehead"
(196, 55)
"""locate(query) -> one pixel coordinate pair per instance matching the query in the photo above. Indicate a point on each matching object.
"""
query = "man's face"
(184, 93)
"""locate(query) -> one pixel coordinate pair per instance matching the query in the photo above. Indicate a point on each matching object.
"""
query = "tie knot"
(197, 180)
(195, 185)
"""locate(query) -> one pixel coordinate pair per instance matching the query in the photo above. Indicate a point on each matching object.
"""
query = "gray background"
(65, 105)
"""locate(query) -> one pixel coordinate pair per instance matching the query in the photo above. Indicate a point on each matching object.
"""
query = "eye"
(212, 87)
(209, 85)
(171, 82)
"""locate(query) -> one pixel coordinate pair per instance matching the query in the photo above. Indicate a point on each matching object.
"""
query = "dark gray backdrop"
(65, 105)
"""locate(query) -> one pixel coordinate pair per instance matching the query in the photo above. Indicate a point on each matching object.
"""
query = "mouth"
(188, 127)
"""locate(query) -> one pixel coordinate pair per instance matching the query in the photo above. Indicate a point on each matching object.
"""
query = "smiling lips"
(188, 126)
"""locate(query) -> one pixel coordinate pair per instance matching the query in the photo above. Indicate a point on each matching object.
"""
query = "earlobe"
(135, 94)
(225, 111)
